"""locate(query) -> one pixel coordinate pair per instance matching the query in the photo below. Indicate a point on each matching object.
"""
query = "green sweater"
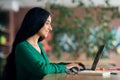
(31, 65)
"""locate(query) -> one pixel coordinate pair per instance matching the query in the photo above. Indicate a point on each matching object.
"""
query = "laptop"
(97, 57)
(94, 65)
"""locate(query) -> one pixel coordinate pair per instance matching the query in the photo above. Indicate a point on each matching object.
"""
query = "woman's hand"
(77, 65)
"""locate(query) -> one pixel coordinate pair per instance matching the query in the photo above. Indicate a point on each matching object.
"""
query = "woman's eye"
(47, 23)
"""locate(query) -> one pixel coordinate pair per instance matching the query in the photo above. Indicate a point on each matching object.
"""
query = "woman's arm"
(35, 63)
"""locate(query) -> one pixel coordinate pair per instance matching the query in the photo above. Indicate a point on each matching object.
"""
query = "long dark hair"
(32, 23)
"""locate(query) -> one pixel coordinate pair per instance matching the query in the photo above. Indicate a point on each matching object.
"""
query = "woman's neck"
(33, 40)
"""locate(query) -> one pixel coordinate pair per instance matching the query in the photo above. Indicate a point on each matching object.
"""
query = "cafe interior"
(79, 28)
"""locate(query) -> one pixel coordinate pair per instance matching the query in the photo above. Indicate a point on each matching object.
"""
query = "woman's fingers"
(82, 65)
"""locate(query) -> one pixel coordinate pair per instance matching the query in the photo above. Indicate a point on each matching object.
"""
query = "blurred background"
(79, 28)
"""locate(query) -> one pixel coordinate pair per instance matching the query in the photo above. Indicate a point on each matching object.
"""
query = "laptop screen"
(97, 57)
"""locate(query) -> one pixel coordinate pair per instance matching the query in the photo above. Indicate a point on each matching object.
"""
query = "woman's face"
(46, 28)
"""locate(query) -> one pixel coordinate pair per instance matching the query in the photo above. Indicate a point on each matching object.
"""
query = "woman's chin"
(46, 36)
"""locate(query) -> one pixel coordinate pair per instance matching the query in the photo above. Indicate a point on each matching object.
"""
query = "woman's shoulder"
(22, 45)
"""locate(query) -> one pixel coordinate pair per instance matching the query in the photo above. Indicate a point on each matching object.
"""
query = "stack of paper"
(97, 73)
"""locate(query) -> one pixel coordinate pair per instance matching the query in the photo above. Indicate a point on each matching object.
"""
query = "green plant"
(86, 33)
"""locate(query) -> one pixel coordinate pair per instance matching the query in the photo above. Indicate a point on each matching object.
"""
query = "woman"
(28, 60)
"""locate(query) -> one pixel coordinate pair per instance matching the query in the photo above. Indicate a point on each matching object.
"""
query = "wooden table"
(89, 61)
(64, 76)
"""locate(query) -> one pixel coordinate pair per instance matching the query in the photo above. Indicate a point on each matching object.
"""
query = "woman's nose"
(50, 27)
